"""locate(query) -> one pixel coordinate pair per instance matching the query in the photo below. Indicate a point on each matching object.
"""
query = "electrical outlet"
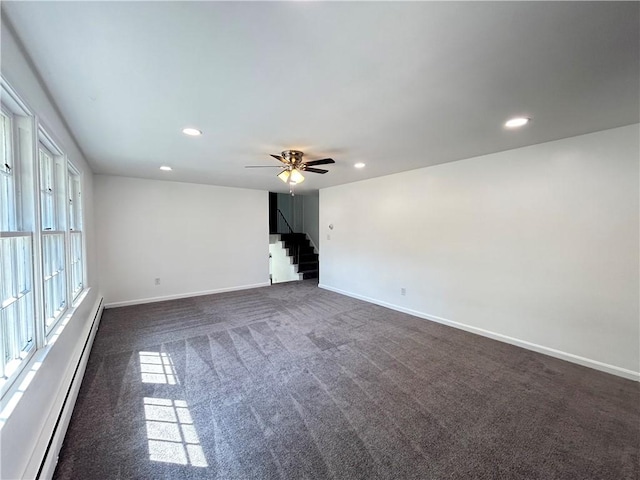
(403, 291)
(157, 281)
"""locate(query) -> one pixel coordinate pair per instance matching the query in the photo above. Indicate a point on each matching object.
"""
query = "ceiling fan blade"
(278, 157)
(262, 166)
(315, 170)
(323, 161)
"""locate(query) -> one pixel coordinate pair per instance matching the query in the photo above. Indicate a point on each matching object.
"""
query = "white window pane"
(59, 192)
(54, 278)
(75, 227)
(7, 202)
(7, 168)
(47, 191)
(6, 251)
(72, 204)
(76, 263)
(75, 204)
(16, 304)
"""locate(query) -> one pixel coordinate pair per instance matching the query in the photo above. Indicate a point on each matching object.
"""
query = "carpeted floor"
(294, 382)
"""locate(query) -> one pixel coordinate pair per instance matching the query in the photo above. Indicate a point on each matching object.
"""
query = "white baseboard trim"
(141, 301)
(45, 457)
(569, 357)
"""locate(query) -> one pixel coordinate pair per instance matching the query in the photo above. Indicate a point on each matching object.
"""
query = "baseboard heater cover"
(50, 458)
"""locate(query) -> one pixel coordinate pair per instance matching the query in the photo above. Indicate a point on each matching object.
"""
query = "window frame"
(75, 219)
(58, 291)
(21, 287)
(26, 259)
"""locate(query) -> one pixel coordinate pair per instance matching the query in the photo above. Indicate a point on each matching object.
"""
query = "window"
(17, 314)
(53, 220)
(41, 236)
(75, 232)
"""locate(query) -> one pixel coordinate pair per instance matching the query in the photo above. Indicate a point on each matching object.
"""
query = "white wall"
(195, 238)
(25, 432)
(282, 267)
(537, 246)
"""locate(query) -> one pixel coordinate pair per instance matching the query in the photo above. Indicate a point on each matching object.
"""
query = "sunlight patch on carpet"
(171, 433)
(157, 367)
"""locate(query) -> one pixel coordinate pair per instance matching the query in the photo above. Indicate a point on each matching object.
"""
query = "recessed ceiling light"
(359, 165)
(166, 168)
(516, 122)
(194, 132)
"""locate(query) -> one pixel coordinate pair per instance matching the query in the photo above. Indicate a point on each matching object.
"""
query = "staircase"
(303, 254)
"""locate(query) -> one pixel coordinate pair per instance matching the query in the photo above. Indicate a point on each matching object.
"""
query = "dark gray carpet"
(291, 381)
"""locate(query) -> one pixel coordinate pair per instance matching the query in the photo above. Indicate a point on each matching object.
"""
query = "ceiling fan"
(294, 166)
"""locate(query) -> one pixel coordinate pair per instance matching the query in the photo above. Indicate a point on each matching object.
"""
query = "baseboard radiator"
(50, 457)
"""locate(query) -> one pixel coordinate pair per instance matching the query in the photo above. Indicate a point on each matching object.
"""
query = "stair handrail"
(285, 221)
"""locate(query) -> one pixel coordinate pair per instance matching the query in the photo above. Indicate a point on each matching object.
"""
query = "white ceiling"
(398, 86)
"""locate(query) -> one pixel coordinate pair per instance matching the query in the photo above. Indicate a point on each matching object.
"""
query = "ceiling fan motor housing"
(292, 157)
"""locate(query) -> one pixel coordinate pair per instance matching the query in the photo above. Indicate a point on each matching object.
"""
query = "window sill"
(14, 389)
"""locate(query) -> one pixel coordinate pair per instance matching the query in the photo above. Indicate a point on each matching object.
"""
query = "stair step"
(294, 237)
(294, 252)
(306, 257)
(307, 267)
(303, 254)
(289, 243)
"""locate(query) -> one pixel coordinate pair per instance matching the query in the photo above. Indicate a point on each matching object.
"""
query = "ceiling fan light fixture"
(291, 176)
(284, 176)
(294, 167)
(296, 176)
